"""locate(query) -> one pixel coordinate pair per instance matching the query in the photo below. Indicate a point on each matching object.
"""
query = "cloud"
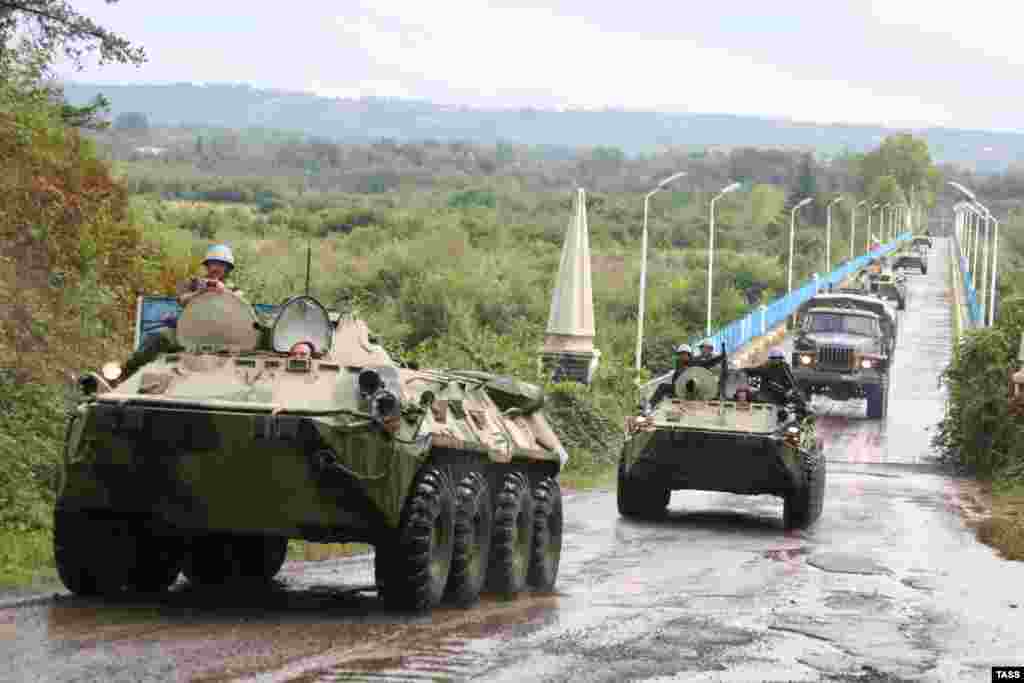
(497, 52)
(989, 27)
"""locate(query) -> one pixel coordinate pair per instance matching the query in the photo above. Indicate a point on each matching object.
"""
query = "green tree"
(806, 185)
(904, 158)
(51, 26)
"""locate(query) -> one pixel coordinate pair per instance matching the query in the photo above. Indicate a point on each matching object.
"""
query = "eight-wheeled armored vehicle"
(706, 439)
(207, 460)
(843, 353)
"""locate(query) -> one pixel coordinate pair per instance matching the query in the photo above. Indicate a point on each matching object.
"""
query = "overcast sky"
(893, 62)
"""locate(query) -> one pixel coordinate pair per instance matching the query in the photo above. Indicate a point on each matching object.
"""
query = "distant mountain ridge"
(634, 132)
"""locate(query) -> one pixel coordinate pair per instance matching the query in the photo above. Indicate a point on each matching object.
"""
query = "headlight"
(867, 364)
(806, 360)
(111, 371)
(793, 430)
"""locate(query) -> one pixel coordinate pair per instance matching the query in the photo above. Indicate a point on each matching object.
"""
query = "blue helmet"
(683, 348)
(222, 253)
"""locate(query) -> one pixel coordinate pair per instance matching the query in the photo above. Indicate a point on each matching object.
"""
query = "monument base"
(570, 366)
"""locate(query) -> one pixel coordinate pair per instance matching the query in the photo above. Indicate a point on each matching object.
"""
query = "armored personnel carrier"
(207, 460)
(747, 431)
(844, 352)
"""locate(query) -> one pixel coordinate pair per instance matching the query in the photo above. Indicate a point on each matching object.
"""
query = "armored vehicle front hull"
(204, 471)
(733, 447)
(710, 461)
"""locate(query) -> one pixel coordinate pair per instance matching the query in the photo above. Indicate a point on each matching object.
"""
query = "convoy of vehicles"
(210, 458)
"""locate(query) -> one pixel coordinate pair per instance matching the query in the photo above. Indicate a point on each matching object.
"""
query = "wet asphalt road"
(889, 585)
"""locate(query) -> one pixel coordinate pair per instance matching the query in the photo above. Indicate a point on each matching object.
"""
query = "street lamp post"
(711, 247)
(828, 234)
(792, 236)
(853, 223)
(871, 210)
(995, 269)
(884, 215)
(643, 266)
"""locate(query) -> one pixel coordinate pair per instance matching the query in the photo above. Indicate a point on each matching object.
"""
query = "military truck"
(888, 286)
(207, 460)
(906, 261)
(843, 353)
(711, 437)
(888, 317)
(921, 244)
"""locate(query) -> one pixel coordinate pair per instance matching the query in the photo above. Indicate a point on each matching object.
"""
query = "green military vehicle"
(207, 460)
(888, 317)
(844, 351)
(709, 436)
(888, 286)
(907, 261)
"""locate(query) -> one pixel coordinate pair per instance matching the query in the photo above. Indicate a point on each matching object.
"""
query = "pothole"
(846, 563)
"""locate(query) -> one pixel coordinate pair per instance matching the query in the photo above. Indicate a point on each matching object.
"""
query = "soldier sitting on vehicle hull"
(684, 361)
(219, 262)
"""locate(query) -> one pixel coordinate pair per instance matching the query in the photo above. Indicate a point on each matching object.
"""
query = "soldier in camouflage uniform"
(219, 262)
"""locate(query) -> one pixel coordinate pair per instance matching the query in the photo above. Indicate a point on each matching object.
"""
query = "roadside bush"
(978, 432)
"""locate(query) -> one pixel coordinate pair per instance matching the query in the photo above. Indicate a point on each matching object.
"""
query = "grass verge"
(26, 560)
(305, 551)
(1003, 528)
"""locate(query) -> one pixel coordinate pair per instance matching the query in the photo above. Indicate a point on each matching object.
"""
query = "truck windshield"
(836, 322)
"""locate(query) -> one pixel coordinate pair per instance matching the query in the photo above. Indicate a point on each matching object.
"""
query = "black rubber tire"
(471, 550)
(93, 556)
(802, 507)
(217, 559)
(878, 400)
(641, 500)
(512, 545)
(547, 535)
(158, 562)
(413, 570)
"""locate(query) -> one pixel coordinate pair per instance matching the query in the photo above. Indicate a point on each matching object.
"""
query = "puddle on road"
(786, 554)
(846, 563)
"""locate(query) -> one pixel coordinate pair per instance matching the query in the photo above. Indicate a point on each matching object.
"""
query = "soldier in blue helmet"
(219, 261)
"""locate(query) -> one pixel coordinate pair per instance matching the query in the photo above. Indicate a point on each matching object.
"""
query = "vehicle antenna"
(309, 258)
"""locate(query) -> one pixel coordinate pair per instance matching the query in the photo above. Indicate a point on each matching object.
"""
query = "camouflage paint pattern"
(228, 435)
(719, 445)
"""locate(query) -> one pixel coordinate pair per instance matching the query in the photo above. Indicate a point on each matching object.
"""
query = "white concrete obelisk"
(568, 352)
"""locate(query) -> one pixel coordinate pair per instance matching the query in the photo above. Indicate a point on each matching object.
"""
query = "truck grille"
(835, 357)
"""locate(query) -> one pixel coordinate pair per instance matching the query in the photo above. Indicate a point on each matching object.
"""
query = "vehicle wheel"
(512, 544)
(547, 535)
(639, 499)
(877, 395)
(474, 526)
(93, 556)
(803, 507)
(416, 566)
(158, 562)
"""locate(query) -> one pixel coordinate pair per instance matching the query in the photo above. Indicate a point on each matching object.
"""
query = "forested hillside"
(634, 132)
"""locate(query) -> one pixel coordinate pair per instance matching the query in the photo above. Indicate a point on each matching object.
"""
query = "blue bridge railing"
(757, 323)
(975, 316)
